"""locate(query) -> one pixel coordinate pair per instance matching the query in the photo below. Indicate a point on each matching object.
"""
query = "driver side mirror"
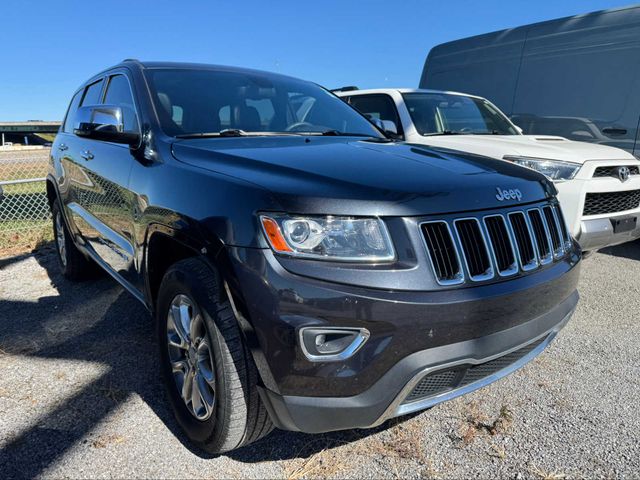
(103, 122)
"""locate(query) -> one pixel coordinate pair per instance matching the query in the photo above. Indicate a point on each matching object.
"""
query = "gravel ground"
(80, 396)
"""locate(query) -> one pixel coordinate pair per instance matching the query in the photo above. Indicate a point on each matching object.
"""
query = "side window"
(377, 107)
(119, 95)
(92, 94)
(71, 113)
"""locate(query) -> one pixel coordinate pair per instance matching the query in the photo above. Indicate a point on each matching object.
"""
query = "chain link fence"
(24, 212)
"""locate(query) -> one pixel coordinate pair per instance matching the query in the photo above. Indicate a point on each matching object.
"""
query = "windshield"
(192, 102)
(449, 114)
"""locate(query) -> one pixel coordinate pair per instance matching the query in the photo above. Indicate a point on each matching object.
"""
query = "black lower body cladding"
(412, 336)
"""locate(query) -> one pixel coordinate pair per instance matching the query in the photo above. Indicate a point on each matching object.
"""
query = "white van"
(576, 77)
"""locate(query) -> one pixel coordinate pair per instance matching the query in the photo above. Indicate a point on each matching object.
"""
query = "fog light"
(331, 344)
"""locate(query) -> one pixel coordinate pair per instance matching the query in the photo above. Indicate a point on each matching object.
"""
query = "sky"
(49, 48)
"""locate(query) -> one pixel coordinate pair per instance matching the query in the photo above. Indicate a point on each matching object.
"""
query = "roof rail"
(349, 88)
(131, 60)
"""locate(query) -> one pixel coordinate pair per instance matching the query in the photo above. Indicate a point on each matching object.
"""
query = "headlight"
(329, 238)
(554, 169)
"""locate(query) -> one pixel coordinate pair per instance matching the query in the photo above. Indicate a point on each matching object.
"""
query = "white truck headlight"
(344, 239)
(554, 169)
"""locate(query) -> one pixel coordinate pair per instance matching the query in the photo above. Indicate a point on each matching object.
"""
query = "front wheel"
(210, 376)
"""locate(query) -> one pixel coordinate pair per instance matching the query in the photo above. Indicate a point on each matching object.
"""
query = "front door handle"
(62, 147)
(87, 155)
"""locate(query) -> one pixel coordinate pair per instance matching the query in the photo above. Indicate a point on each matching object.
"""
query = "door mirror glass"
(103, 122)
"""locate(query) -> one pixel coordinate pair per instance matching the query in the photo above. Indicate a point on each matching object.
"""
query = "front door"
(102, 205)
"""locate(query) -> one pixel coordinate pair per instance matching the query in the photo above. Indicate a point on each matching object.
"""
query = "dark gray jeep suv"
(304, 270)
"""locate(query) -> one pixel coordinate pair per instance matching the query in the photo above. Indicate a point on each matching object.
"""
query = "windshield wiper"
(372, 138)
(444, 132)
(234, 132)
(338, 133)
(492, 132)
(227, 132)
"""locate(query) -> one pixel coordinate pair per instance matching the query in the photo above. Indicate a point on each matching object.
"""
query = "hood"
(537, 146)
(346, 176)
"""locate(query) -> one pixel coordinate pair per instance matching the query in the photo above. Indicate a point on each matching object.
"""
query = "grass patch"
(24, 188)
(21, 236)
(476, 422)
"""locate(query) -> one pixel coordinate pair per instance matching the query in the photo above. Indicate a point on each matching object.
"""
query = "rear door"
(64, 151)
(103, 207)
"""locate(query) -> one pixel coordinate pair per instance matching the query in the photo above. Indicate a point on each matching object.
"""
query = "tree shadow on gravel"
(96, 321)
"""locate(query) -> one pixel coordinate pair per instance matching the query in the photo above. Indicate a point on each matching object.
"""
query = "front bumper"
(596, 231)
(413, 334)
(387, 398)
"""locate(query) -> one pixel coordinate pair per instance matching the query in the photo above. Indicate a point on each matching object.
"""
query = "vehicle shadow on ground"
(96, 321)
(629, 250)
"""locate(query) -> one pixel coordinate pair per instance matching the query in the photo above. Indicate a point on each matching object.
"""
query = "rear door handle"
(87, 155)
(62, 147)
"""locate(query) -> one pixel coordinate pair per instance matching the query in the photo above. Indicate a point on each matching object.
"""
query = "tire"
(226, 411)
(73, 264)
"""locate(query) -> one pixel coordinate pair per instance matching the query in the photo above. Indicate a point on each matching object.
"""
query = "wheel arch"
(166, 246)
(52, 190)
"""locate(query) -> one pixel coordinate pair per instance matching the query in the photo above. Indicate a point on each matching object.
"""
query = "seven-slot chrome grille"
(484, 247)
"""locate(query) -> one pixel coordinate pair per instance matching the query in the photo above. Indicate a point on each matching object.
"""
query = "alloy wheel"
(191, 357)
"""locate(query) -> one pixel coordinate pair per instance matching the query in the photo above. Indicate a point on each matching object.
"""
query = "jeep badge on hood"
(511, 194)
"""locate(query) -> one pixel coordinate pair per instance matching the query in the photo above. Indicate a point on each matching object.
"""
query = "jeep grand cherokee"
(304, 271)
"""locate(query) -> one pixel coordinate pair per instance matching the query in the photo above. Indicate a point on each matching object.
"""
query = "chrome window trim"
(460, 277)
(490, 272)
(550, 256)
(513, 269)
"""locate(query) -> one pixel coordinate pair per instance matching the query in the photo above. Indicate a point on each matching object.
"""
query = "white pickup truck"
(599, 186)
